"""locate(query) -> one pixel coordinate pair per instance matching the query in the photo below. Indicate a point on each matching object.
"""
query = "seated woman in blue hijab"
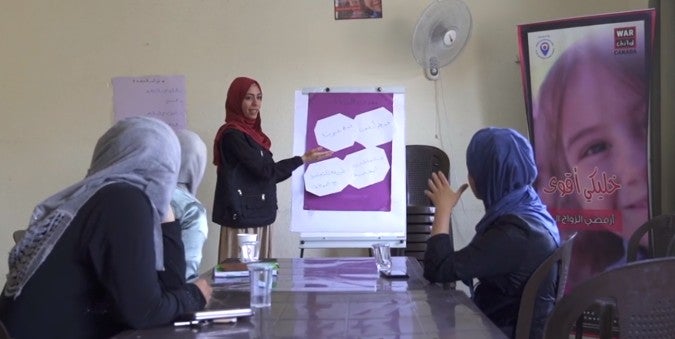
(513, 238)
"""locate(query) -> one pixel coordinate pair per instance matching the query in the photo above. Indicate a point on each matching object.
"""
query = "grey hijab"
(140, 151)
(193, 160)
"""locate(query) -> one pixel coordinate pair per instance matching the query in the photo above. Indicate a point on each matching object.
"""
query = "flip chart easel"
(357, 197)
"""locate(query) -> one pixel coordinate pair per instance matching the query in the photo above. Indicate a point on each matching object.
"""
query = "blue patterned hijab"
(501, 163)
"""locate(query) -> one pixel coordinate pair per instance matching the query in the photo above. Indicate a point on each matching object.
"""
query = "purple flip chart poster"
(322, 106)
(361, 187)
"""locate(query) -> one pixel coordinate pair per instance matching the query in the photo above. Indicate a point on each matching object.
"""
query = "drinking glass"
(382, 254)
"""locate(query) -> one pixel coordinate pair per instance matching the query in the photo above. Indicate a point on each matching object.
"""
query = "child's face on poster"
(604, 127)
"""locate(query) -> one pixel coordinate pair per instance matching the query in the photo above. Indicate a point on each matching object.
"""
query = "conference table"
(341, 298)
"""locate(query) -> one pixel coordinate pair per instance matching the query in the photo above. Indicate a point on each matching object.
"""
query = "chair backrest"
(419, 220)
(561, 258)
(670, 251)
(421, 161)
(641, 292)
(663, 233)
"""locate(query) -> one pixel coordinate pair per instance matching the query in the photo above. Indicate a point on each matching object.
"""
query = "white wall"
(58, 58)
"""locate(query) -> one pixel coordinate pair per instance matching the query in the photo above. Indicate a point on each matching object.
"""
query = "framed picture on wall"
(358, 9)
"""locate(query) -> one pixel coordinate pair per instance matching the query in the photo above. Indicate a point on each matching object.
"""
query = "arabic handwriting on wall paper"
(152, 80)
(160, 114)
(355, 100)
(374, 125)
(370, 161)
(324, 184)
(327, 173)
(337, 130)
(159, 90)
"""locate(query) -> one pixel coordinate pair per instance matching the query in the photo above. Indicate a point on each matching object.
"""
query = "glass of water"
(382, 254)
(261, 276)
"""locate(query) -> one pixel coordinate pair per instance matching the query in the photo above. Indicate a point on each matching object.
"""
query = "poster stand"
(311, 241)
(325, 228)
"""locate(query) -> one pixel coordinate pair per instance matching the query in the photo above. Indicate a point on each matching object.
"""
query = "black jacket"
(246, 192)
(100, 278)
(502, 258)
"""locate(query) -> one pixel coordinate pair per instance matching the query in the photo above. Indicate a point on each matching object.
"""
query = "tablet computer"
(220, 315)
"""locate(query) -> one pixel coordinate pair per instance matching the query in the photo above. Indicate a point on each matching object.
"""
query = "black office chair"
(641, 293)
(661, 244)
(421, 161)
(418, 230)
(662, 229)
(560, 258)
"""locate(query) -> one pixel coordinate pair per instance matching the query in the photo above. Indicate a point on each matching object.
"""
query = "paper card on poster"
(359, 169)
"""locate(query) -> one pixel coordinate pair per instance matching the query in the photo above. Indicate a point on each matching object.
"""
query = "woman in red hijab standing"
(245, 199)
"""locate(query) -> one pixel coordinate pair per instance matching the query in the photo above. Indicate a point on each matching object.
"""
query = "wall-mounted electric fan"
(440, 34)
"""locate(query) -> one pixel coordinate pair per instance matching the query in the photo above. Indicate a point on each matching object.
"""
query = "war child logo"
(625, 40)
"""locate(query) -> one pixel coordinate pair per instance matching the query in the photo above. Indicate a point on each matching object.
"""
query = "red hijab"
(235, 118)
